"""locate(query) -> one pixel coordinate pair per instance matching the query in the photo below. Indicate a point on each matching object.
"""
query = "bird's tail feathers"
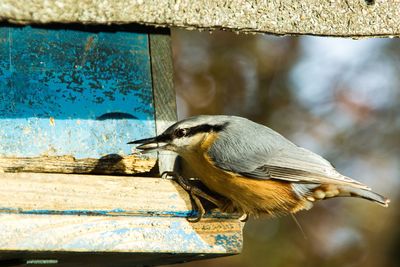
(351, 191)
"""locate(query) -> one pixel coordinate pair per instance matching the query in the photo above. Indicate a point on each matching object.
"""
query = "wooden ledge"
(68, 213)
(109, 164)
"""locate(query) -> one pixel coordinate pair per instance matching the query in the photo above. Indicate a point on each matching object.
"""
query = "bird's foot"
(195, 193)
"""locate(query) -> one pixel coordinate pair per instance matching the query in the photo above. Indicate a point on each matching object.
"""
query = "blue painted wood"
(71, 92)
(58, 233)
(120, 212)
(101, 213)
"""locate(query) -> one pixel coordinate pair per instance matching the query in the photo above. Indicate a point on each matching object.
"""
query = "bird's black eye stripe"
(204, 128)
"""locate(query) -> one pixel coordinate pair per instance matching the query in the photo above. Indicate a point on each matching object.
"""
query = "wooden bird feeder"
(71, 97)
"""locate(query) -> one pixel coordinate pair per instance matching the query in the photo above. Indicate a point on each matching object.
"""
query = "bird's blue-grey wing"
(265, 154)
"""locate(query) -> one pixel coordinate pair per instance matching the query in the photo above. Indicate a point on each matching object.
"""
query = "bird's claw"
(195, 193)
(244, 217)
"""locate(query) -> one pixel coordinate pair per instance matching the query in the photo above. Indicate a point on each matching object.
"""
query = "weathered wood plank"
(347, 18)
(163, 76)
(110, 164)
(118, 234)
(97, 213)
(163, 90)
(45, 193)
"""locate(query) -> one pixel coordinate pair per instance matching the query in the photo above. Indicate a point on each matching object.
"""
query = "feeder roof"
(353, 18)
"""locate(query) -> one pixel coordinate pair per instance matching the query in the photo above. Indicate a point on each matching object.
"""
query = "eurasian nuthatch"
(255, 168)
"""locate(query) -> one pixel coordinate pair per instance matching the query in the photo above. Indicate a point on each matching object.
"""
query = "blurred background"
(337, 97)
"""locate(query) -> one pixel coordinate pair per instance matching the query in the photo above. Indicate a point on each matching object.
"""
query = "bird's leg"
(195, 193)
(185, 184)
(200, 209)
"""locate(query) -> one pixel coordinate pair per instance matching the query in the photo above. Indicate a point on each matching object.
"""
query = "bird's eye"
(180, 132)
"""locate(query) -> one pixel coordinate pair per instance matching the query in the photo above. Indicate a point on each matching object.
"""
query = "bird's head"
(184, 136)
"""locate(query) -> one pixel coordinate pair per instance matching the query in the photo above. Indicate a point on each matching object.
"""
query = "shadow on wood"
(109, 164)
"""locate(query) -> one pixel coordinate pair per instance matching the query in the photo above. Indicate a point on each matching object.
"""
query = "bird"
(254, 168)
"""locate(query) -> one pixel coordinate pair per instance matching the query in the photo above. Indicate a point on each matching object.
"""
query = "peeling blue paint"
(115, 212)
(55, 85)
(187, 239)
(96, 234)
(230, 242)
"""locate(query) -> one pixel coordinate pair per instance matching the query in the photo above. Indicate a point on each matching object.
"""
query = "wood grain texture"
(107, 214)
(33, 193)
(163, 90)
(118, 234)
(110, 164)
(347, 18)
(74, 194)
(162, 76)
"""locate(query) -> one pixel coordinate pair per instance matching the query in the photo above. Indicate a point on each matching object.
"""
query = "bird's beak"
(150, 144)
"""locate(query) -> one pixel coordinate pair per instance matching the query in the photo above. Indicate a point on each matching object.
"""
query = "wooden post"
(163, 89)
